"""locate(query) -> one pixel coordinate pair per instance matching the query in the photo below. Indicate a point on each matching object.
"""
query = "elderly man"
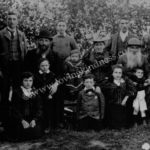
(134, 58)
(117, 44)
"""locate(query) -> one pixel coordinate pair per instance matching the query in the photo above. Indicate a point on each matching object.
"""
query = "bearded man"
(42, 51)
(134, 58)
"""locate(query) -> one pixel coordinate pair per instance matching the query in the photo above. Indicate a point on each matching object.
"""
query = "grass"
(131, 139)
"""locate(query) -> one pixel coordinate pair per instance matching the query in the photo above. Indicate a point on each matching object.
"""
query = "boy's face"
(44, 66)
(139, 73)
(89, 83)
(27, 82)
(99, 47)
(117, 73)
(61, 27)
(12, 21)
(75, 57)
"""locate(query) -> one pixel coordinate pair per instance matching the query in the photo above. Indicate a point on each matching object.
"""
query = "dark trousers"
(88, 123)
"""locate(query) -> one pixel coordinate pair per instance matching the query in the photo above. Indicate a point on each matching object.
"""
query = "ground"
(131, 139)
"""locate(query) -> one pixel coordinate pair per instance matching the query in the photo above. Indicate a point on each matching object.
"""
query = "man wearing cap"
(12, 53)
(117, 44)
(42, 51)
(133, 57)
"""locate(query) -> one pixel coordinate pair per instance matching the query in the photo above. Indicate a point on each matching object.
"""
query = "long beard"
(134, 60)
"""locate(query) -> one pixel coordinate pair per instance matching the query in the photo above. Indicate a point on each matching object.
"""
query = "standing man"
(62, 45)
(12, 53)
(117, 44)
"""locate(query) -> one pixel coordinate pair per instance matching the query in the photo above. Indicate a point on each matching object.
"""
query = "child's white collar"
(26, 92)
(41, 72)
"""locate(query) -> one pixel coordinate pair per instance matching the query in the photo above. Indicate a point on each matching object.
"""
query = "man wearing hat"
(42, 51)
(133, 57)
(97, 54)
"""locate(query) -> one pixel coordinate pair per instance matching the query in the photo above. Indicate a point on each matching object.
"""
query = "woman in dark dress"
(119, 90)
(26, 111)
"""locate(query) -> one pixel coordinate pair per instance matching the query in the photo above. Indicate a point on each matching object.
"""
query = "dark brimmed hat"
(134, 42)
(44, 34)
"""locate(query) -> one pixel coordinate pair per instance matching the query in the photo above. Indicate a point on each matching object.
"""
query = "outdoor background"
(85, 19)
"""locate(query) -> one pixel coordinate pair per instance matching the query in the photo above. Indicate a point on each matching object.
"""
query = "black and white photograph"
(74, 74)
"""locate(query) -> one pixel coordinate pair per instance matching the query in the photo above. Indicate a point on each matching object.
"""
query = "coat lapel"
(6, 34)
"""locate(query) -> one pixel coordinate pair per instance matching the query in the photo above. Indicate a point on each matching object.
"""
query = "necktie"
(12, 34)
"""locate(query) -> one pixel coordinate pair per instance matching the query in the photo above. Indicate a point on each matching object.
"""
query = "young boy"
(139, 103)
(45, 77)
(74, 65)
(90, 105)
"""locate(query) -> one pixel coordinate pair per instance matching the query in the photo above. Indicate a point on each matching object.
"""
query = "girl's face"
(27, 82)
(89, 83)
(44, 66)
(139, 73)
(75, 57)
(117, 73)
(99, 47)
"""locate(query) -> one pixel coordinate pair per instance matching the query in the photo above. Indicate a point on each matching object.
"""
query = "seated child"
(26, 110)
(139, 103)
(43, 78)
(74, 65)
(118, 90)
(90, 107)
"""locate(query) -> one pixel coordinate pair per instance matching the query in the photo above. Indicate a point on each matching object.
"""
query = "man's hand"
(32, 124)
(25, 124)
(54, 88)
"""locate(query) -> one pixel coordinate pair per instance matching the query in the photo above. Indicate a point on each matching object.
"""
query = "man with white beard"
(133, 58)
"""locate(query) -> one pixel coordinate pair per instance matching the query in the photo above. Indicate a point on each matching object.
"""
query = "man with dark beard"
(133, 58)
(42, 51)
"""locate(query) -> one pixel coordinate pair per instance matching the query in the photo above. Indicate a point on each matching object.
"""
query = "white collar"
(41, 72)
(12, 30)
(64, 35)
(26, 92)
(123, 35)
(118, 82)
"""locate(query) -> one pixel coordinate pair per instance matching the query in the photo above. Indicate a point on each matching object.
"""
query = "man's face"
(44, 44)
(124, 24)
(12, 21)
(61, 27)
(89, 83)
(134, 49)
(44, 66)
(139, 73)
(27, 82)
(99, 47)
(117, 73)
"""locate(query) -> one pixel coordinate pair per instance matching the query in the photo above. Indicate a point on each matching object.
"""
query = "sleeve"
(38, 109)
(73, 44)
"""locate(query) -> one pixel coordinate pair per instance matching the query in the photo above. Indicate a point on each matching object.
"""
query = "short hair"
(138, 68)
(88, 76)
(117, 66)
(26, 75)
(41, 60)
(12, 12)
(61, 21)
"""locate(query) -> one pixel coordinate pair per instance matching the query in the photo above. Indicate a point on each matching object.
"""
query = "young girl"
(118, 92)
(26, 110)
(42, 78)
(139, 103)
